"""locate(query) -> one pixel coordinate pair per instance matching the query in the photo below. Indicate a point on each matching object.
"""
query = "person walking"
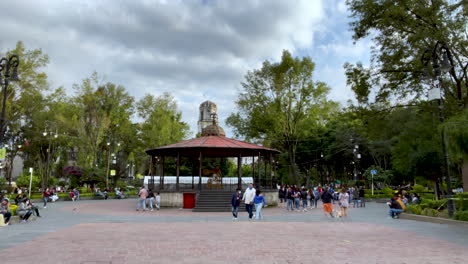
(282, 194)
(77, 194)
(235, 203)
(151, 199)
(304, 199)
(248, 198)
(310, 196)
(316, 197)
(343, 200)
(297, 199)
(45, 197)
(361, 196)
(289, 199)
(327, 198)
(355, 197)
(142, 194)
(259, 202)
(158, 201)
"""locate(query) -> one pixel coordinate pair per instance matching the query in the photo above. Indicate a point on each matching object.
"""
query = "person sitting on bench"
(5, 210)
(23, 211)
(119, 194)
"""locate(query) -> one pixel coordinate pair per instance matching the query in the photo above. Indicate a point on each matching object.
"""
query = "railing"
(207, 183)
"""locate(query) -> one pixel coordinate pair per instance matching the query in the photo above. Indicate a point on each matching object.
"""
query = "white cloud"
(196, 49)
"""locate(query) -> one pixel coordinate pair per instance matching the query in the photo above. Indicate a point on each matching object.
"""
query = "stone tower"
(207, 109)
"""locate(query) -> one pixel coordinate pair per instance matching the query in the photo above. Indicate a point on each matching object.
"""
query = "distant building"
(208, 111)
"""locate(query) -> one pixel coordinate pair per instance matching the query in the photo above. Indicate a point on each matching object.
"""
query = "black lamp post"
(8, 73)
(439, 60)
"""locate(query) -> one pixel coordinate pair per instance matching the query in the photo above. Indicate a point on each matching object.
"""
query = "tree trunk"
(293, 167)
(465, 175)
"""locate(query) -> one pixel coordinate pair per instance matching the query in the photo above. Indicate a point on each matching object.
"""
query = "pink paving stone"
(234, 242)
(127, 208)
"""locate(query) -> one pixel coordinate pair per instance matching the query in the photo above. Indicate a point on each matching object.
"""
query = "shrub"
(418, 189)
(461, 201)
(13, 208)
(461, 215)
(388, 192)
(414, 209)
(430, 212)
(23, 181)
(434, 204)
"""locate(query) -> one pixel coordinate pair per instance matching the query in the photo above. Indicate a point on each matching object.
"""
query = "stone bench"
(15, 220)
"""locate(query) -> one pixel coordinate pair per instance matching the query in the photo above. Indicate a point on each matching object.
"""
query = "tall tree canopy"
(278, 104)
(403, 31)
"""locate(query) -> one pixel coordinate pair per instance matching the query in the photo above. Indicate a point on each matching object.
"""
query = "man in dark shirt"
(395, 208)
(361, 196)
(235, 203)
(327, 198)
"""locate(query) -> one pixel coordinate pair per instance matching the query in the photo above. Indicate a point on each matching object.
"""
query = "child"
(158, 201)
(259, 202)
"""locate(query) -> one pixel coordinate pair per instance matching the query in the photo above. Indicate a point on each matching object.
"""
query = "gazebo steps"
(214, 201)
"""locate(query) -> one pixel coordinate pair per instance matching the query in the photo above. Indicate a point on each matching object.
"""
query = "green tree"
(276, 103)
(457, 135)
(402, 31)
(20, 94)
(162, 123)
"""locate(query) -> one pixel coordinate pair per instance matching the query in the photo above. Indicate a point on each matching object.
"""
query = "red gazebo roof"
(212, 146)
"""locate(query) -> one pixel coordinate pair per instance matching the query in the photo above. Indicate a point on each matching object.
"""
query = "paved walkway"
(113, 232)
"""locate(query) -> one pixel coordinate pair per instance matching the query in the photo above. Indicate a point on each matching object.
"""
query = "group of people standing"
(302, 199)
(150, 197)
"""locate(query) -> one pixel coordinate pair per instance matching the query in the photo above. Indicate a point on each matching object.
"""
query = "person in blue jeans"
(395, 208)
(289, 199)
(235, 203)
(316, 197)
(259, 202)
(248, 199)
(297, 199)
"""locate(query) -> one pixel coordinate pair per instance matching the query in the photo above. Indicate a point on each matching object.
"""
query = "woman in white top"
(344, 202)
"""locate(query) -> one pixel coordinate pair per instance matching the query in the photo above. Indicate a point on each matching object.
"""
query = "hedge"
(13, 208)
(461, 215)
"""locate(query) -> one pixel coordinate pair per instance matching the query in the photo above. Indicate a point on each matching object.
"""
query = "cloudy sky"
(195, 49)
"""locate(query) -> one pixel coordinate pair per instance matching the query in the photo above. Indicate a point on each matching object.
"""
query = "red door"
(189, 200)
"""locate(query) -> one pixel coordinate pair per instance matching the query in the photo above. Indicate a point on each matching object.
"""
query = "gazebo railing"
(228, 184)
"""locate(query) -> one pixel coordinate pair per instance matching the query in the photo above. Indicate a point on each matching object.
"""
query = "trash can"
(189, 200)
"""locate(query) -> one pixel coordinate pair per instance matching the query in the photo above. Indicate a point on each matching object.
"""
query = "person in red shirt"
(45, 196)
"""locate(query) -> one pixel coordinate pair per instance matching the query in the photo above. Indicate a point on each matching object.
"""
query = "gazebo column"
(177, 171)
(265, 163)
(152, 171)
(239, 171)
(271, 169)
(193, 173)
(258, 169)
(200, 172)
(161, 172)
(253, 171)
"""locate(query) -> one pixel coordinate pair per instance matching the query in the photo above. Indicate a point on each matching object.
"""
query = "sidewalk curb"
(435, 220)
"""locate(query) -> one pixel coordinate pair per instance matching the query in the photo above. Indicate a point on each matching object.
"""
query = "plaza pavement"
(113, 232)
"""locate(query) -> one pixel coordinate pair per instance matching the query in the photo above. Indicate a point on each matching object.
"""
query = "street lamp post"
(49, 154)
(8, 72)
(357, 157)
(440, 65)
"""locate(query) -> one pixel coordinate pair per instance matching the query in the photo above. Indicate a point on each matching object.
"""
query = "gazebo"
(213, 144)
